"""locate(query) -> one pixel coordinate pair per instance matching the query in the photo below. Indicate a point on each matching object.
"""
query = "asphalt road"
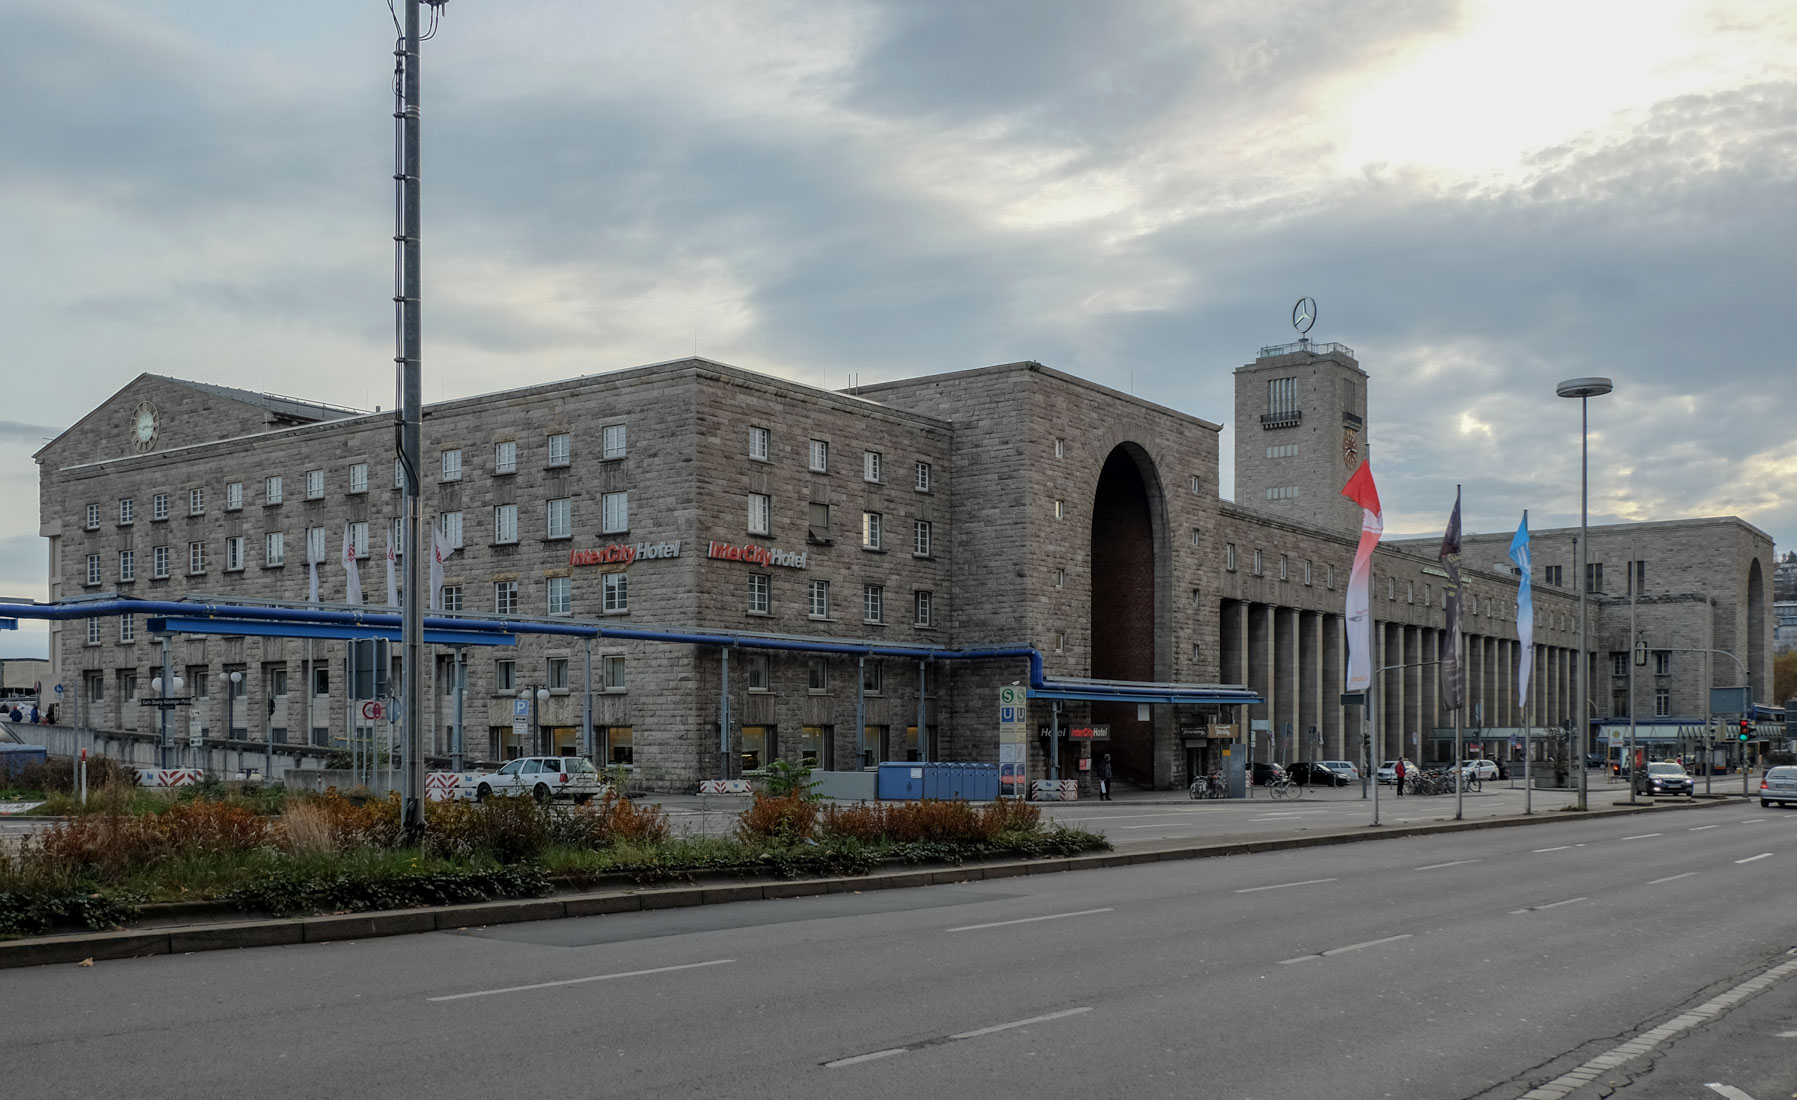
(1477, 964)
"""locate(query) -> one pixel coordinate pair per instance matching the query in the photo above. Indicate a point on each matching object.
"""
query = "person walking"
(1104, 778)
(1398, 778)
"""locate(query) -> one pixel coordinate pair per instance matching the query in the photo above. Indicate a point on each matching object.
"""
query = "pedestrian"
(34, 714)
(1398, 777)
(1104, 778)
(15, 715)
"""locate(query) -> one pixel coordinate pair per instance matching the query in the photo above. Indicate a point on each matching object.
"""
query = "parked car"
(1343, 768)
(1779, 785)
(542, 778)
(1310, 773)
(1388, 771)
(1265, 773)
(1664, 778)
(1480, 769)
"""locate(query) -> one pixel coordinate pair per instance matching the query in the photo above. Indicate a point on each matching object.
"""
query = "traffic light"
(1746, 729)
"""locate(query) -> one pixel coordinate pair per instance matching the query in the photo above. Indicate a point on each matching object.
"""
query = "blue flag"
(1525, 612)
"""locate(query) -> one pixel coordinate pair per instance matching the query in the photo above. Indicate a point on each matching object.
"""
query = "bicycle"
(1208, 786)
(1284, 788)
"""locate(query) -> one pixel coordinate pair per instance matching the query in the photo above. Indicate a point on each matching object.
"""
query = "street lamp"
(175, 684)
(537, 695)
(1584, 389)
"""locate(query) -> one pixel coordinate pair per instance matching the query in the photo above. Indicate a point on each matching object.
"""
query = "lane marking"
(1671, 878)
(579, 981)
(1549, 905)
(1786, 1035)
(977, 1032)
(1729, 1091)
(1642, 836)
(1750, 859)
(1439, 866)
(1343, 950)
(1753, 821)
(840, 1062)
(1701, 828)
(1648, 1041)
(1283, 885)
(1028, 920)
(1561, 848)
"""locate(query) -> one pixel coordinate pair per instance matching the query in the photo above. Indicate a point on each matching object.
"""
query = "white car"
(1343, 768)
(1480, 769)
(542, 778)
(1388, 771)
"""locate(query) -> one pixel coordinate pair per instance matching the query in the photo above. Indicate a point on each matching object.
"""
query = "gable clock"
(1350, 447)
(144, 426)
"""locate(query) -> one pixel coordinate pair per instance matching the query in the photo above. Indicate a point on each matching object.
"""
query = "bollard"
(82, 766)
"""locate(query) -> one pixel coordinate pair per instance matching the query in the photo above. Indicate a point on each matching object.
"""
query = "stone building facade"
(1008, 506)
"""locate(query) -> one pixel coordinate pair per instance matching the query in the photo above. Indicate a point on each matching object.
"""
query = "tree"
(1784, 677)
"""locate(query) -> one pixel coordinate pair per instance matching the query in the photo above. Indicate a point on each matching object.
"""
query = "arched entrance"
(1126, 602)
(1756, 634)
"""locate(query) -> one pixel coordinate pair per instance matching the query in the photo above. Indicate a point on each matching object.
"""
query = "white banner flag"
(392, 590)
(352, 585)
(440, 551)
(1360, 490)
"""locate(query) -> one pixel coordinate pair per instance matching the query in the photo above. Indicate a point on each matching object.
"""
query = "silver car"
(1779, 785)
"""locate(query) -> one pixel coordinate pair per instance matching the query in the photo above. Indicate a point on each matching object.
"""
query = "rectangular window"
(561, 596)
(925, 606)
(1637, 574)
(196, 557)
(358, 539)
(1197, 537)
(196, 502)
(399, 473)
(921, 532)
(314, 484)
(1060, 578)
(1594, 576)
(614, 441)
(759, 672)
(1257, 563)
(452, 597)
(271, 490)
(234, 554)
(452, 464)
(315, 546)
(1409, 591)
(1329, 577)
(560, 519)
(1282, 396)
(870, 466)
(1307, 574)
(451, 525)
(159, 562)
(873, 603)
(1619, 664)
(505, 676)
(505, 457)
(1619, 703)
(1060, 448)
(91, 517)
(759, 595)
(817, 599)
(234, 496)
(613, 671)
(505, 523)
(93, 569)
(922, 478)
(614, 513)
(274, 548)
(1060, 641)
(1060, 509)
(1554, 575)
(870, 530)
(1662, 663)
(817, 674)
(1283, 450)
(358, 477)
(758, 439)
(127, 630)
(1284, 568)
(819, 517)
(159, 506)
(1229, 556)
(872, 677)
(93, 632)
(561, 449)
(615, 593)
(760, 512)
(127, 512)
(1662, 702)
(819, 460)
(396, 536)
(127, 565)
(505, 597)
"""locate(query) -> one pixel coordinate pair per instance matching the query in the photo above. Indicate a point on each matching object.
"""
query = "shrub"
(786, 818)
(783, 777)
(931, 821)
(284, 893)
(511, 830)
(56, 775)
(113, 845)
(34, 914)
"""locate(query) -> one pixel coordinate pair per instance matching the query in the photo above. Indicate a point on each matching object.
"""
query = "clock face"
(144, 426)
(1350, 446)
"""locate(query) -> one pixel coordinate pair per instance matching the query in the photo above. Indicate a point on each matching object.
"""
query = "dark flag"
(1453, 671)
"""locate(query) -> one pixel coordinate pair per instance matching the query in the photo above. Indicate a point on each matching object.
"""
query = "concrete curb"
(138, 943)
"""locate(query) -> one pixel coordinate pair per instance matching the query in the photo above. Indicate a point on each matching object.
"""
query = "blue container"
(13, 759)
(935, 780)
(984, 782)
(899, 780)
(960, 780)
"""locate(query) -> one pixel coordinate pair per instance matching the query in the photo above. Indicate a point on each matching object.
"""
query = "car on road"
(1664, 778)
(1265, 773)
(541, 778)
(1779, 785)
(1480, 769)
(1388, 771)
(1311, 773)
(1343, 768)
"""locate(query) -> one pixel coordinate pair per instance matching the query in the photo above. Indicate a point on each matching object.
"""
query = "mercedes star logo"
(1304, 315)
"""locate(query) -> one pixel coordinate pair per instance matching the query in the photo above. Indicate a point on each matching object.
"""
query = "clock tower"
(1300, 431)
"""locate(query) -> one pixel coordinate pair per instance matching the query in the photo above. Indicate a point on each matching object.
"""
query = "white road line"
(1343, 950)
(977, 1032)
(1561, 848)
(1753, 821)
(1648, 1041)
(840, 1062)
(1750, 859)
(579, 981)
(1729, 1091)
(1786, 1035)
(1283, 885)
(1439, 866)
(1701, 828)
(1549, 905)
(1642, 836)
(1671, 878)
(1027, 920)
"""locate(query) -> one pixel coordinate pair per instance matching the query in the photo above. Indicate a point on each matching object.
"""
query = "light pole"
(230, 680)
(1584, 389)
(162, 685)
(538, 695)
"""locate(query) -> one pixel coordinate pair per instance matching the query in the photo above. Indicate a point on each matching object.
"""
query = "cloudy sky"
(1484, 197)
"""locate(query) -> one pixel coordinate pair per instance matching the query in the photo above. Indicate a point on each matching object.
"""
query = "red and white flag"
(392, 559)
(1361, 490)
(440, 551)
(352, 585)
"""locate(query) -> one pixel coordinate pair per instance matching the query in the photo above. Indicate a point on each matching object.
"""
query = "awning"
(1146, 695)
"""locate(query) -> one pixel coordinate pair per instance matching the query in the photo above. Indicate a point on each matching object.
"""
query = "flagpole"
(1459, 753)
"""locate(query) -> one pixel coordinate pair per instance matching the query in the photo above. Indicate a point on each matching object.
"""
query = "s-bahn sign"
(756, 555)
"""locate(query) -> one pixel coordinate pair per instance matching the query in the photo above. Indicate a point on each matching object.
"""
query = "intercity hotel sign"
(623, 554)
(756, 555)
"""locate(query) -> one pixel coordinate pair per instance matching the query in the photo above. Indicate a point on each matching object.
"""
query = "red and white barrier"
(169, 777)
(725, 786)
(449, 786)
(1055, 790)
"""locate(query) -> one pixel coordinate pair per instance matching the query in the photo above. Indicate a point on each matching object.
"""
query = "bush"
(285, 893)
(511, 830)
(24, 914)
(931, 821)
(111, 846)
(787, 818)
(56, 775)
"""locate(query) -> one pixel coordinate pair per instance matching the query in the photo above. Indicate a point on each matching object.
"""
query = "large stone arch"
(1131, 578)
(1756, 634)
